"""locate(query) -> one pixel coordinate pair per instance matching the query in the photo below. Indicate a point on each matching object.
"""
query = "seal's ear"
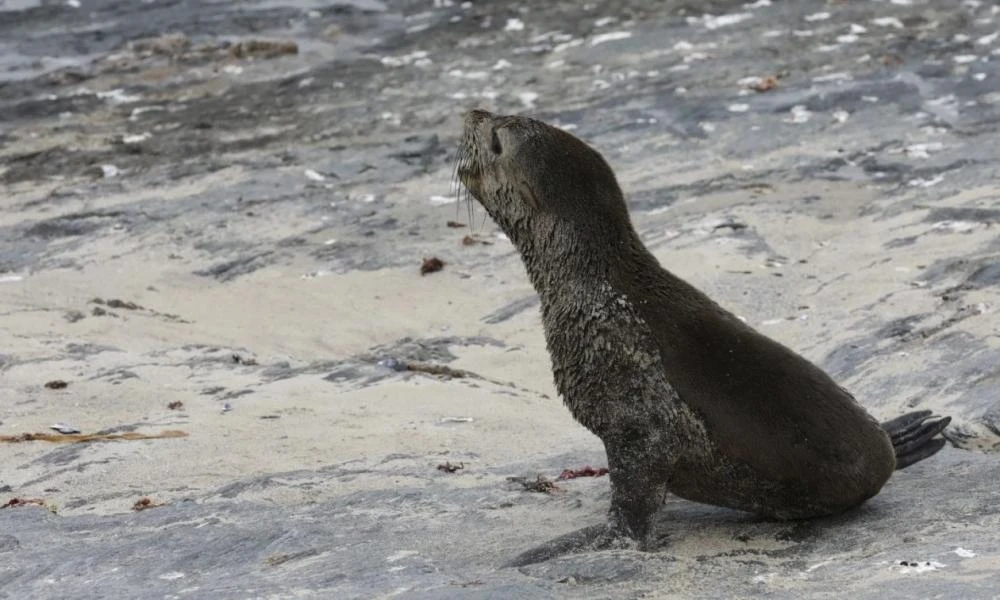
(528, 194)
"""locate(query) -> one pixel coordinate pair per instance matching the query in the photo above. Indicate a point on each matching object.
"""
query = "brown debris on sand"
(17, 502)
(431, 265)
(587, 471)
(472, 240)
(89, 437)
(441, 370)
(145, 503)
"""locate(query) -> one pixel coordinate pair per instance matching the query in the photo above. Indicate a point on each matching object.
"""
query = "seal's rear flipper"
(913, 436)
(595, 537)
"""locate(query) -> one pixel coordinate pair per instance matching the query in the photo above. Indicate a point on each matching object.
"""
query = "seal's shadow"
(689, 531)
(682, 527)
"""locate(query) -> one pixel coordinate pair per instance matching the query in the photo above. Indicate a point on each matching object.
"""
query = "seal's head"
(542, 186)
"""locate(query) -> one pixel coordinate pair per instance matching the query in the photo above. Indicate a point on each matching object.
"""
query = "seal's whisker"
(459, 156)
(470, 207)
(464, 159)
(462, 194)
(455, 186)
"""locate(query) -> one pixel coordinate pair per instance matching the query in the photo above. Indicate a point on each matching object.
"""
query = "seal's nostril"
(495, 143)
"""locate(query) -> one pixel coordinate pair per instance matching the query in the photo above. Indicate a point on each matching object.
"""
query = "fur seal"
(687, 398)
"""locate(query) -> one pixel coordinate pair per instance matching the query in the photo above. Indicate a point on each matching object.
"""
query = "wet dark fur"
(686, 397)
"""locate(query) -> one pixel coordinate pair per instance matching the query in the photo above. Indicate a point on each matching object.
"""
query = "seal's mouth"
(468, 175)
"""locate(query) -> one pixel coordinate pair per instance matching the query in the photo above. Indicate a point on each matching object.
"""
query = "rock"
(444, 541)
(849, 212)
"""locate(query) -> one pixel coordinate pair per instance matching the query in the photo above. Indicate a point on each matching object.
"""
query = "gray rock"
(446, 540)
(885, 114)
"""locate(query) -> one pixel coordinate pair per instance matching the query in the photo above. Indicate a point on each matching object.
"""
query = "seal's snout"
(468, 164)
(476, 116)
(467, 168)
(468, 175)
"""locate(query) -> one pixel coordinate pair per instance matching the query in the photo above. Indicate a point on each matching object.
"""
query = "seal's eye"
(495, 143)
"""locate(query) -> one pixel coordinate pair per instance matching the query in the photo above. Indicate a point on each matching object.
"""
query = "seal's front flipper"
(588, 539)
(913, 436)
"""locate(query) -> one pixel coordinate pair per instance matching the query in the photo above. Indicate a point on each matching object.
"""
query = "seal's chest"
(601, 349)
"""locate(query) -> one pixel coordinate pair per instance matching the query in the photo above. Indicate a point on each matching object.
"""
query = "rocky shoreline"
(221, 219)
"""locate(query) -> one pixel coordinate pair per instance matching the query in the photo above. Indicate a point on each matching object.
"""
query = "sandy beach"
(213, 219)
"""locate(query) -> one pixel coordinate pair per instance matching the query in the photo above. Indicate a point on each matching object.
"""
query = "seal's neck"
(557, 253)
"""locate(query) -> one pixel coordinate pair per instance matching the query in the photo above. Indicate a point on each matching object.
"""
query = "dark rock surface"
(931, 533)
(827, 170)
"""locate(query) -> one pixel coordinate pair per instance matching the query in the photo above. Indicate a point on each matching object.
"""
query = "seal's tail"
(913, 436)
